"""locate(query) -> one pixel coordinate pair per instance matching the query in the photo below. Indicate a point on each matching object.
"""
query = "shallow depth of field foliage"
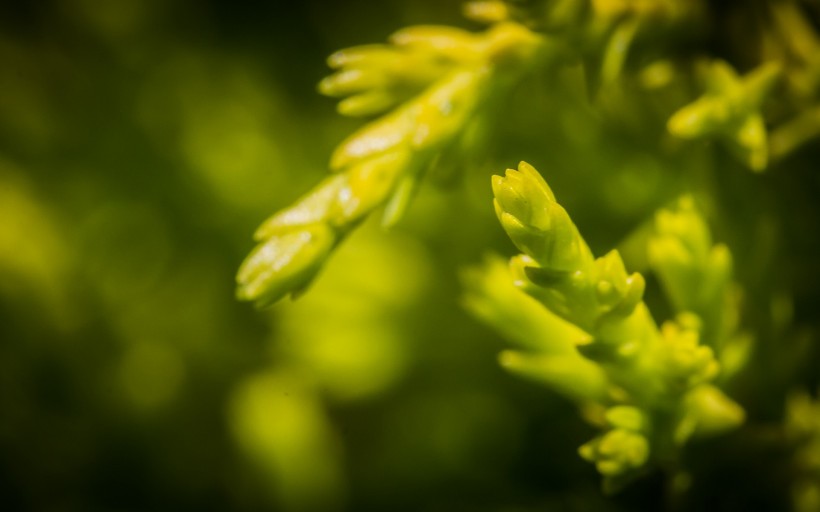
(545, 255)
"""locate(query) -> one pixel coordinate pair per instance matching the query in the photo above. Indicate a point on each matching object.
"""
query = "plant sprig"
(595, 340)
(438, 79)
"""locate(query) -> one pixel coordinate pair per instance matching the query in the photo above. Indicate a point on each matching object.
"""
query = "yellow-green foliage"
(580, 324)
(656, 332)
(655, 383)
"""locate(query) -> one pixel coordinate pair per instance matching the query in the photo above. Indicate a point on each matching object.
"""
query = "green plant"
(442, 79)
(591, 336)
(664, 78)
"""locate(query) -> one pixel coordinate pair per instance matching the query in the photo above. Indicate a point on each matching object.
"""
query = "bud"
(687, 363)
(721, 106)
(284, 264)
(694, 273)
(350, 81)
(705, 117)
(378, 77)
(751, 143)
(730, 109)
(486, 11)
(371, 55)
(708, 412)
(538, 225)
(684, 222)
(449, 42)
(616, 452)
(367, 104)
(616, 291)
(627, 417)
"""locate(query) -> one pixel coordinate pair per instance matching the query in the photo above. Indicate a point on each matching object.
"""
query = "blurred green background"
(142, 141)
